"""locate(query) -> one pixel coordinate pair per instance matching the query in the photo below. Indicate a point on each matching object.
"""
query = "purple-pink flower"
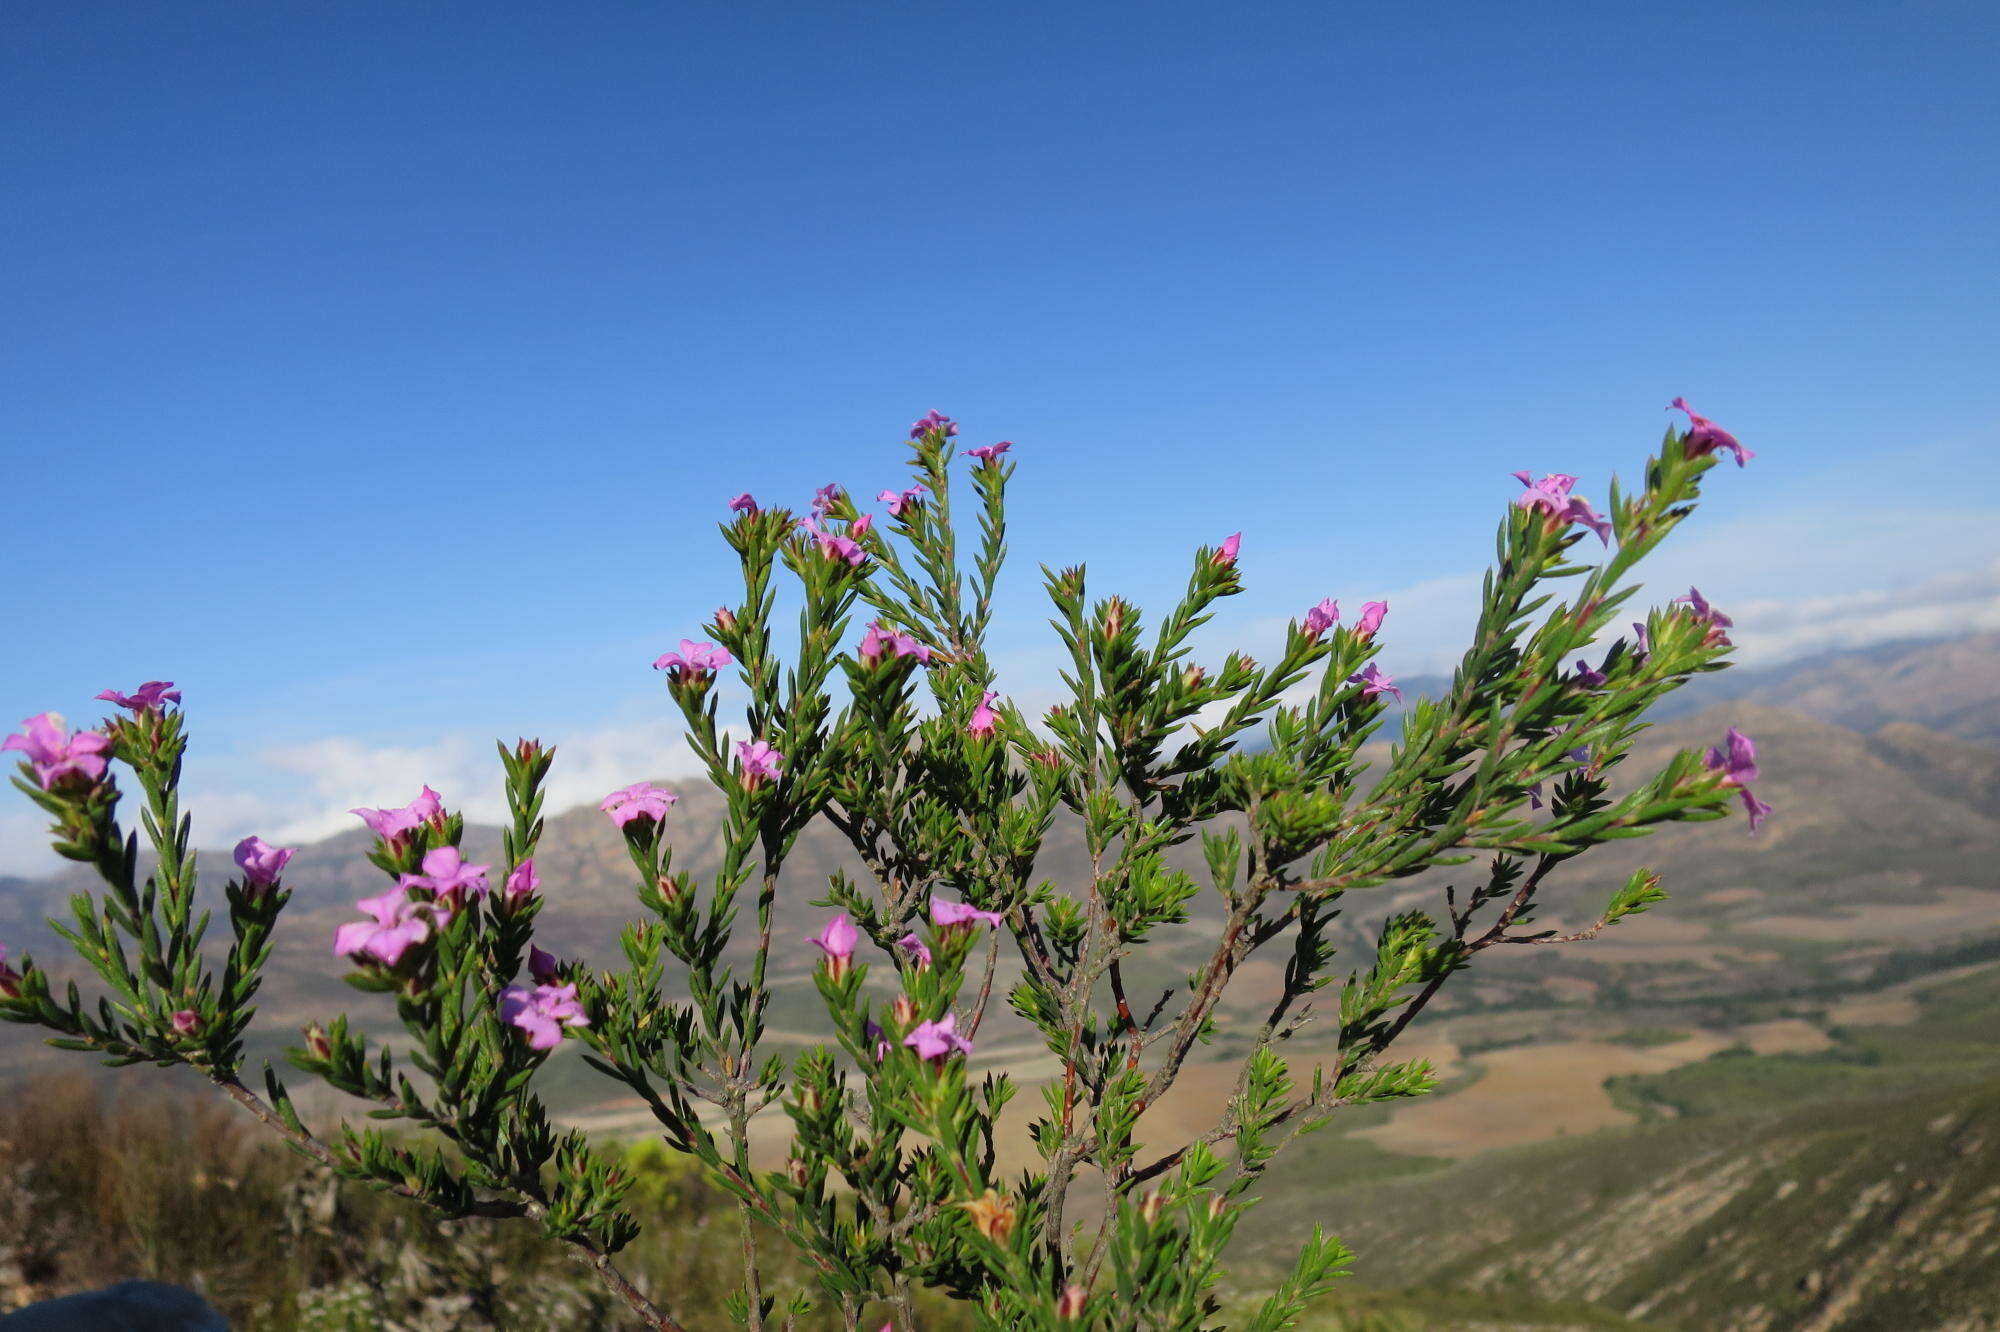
(744, 503)
(1371, 619)
(542, 1012)
(447, 876)
(837, 547)
(398, 925)
(837, 939)
(1374, 682)
(1551, 495)
(1225, 554)
(938, 1041)
(947, 915)
(760, 762)
(983, 716)
(640, 800)
(933, 420)
(57, 756)
(542, 965)
(1705, 436)
(1704, 613)
(148, 697)
(1322, 617)
(1587, 676)
(694, 660)
(522, 881)
(917, 946)
(260, 862)
(988, 453)
(825, 498)
(898, 501)
(1736, 760)
(389, 824)
(879, 642)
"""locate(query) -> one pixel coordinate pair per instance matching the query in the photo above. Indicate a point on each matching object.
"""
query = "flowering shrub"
(947, 792)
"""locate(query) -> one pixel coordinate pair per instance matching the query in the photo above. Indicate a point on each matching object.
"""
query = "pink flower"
(900, 501)
(390, 824)
(1705, 436)
(447, 877)
(641, 800)
(1374, 683)
(542, 966)
(918, 947)
(1706, 614)
(990, 453)
(398, 924)
(938, 1041)
(825, 498)
(522, 881)
(1587, 677)
(57, 756)
(840, 548)
(983, 716)
(1225, 554)
(744, 503)
(1322, 617)
(878, 643)
(1736, 760)
(148, 697)
(187, 1022)
(933, 421)
(760, 762)
(1551, 495)
(1371, 619)
(542, 1012)
(694, 660)
(962, 915)
(261, 863)
(837, 940)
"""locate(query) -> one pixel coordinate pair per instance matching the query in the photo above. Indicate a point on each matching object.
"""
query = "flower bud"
(992, 1215)
(1071, 1303)
(904, 1011)
(1192, 677)
(1150, 1208)
(316, 1043)
(670, 889)
(187, 1022)
(795, 1169)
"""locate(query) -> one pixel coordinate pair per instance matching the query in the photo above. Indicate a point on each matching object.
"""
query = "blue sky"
(378, 372)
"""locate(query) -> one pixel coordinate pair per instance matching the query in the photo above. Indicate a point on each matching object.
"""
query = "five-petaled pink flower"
(522, 881)
(398, 925)
(1551, 495)
(879, 642)
(260, 862)
(694, 660)
(933, 420)
(447, 876)
(948, 915)
(1374, 682)
(898, 501)
(1371, 619)
(744, 503)
(1225, 554)
(918, 947)
(389, 824)
(837, 547)
(542, 1012)
(1736, 760)
(639, 801)
(990, 453)
(983, 716)
(1704, 613)
(1705, 436)
(837, 939)
(55, 755)
(760, 762)
(938, 1041)
(1322, 617)
(148, 697)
